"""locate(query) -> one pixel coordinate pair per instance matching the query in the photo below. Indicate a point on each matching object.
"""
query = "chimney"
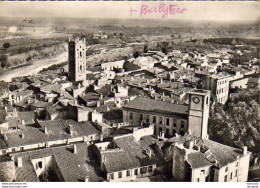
(74, 149)
(78, 85)
(19, 162)
(190, 144)
(22, 135)
(149, 152)
(108, 109)
(23, 122)
(186, 155)
(101, 137)
(104, 159)
(45, 130)
(101, 97)
(5, 136)
(6, 109)
(244, 150)
(71, 132)
(86, 179)
(98, 103)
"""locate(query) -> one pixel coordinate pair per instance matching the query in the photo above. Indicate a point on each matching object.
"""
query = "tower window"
(80, 54)
(161, 120)
(182, 124)
(154, 119)
(131, 115)
(141, 117)
(167, 121)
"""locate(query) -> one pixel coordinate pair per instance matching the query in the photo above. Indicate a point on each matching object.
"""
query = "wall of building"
(236, 171)
(242, 83)
(180, 169)
(131, 176)
(222, 90)
(47, 163)
(138, 133)
(201, 174)
(160, 123)
(96, 116)
(243, 168)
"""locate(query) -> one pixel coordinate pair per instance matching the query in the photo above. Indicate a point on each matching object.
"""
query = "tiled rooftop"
(147, 104)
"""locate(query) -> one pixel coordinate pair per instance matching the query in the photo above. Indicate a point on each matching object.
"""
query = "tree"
(6, 45)
(3, 60)
(146, 48)
(136, 54)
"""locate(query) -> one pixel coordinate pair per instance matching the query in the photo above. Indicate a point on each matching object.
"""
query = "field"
(45, 38)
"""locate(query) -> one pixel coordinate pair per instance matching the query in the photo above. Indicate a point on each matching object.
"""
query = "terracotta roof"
(147, 104)
(197, 160)
(57, 129)
(26, 173)
(131, 153)
(73, 166)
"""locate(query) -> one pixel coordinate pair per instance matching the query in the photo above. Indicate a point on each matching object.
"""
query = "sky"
(201, 10)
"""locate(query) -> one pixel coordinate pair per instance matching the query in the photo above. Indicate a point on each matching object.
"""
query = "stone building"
(218, 84)
(202, 160)
(77, 60)
(171, 118)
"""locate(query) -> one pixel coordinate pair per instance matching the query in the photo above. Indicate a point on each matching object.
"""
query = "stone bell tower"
(77, 59)
(199, 104)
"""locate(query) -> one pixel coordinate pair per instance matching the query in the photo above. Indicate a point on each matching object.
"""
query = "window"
(150, 168)
(147, 118)
(167, 121)
(237, 164)
(160, 130)
(136, 171)
(231, 175)
(160, 120)
(154, 119)
(143, 170)
(198, 180)
(22, 148)
(226, 169)
(128, 173)
(236, 174)
(174, 124)
(167, 133)
(112, 176)
(173, 132)
(182, 133)
(225, 178)
(182, 124)
(202, 172)
(131, 115)
(141, 117)
(40, 164)
(119, 174)
(13, 149)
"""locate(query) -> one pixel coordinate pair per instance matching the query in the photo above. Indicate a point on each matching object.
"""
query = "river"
(33, 68)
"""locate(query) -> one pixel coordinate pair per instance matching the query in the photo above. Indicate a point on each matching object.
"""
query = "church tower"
(77, 60)
(199, 104)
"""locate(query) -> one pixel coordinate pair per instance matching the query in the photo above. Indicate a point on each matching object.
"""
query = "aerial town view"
(141, 97)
